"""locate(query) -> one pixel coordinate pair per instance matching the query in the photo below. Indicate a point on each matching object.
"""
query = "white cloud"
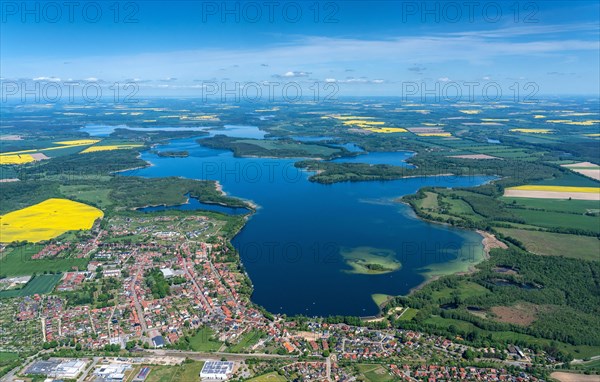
(48, 79)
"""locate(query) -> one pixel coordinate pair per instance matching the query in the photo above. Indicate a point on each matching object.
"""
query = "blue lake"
(292, 246)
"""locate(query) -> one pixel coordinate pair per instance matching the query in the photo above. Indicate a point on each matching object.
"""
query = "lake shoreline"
(488, 241)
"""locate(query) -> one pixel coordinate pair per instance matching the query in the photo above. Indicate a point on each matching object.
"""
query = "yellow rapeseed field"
(434, 135)
(16, 159)
(386, 130)
(366, 123)
(65, 145)
(94, 149)
(362, 123)
(47, 220)
(556, 188)
(532, 131)
(574, 123)
(79, 142)
(348, 117)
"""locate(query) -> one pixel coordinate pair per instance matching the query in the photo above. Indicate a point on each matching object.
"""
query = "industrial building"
(217, 370)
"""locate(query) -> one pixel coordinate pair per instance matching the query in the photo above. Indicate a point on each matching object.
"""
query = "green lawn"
(41, 284)
(556, 244)
(204, 341)
(271, 377)
(375, 373)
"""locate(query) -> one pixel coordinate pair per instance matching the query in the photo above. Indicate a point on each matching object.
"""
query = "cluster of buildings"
(57, 368)
(453, 373)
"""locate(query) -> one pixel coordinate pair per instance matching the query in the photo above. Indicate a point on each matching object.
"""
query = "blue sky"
(365, 48)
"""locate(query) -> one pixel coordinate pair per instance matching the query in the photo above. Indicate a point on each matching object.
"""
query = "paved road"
(87, 371)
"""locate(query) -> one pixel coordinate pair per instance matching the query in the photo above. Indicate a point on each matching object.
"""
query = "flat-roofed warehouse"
(217, 370)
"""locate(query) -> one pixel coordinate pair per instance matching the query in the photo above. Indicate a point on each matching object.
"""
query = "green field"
(18, 262)
(271, 377)
(88, 194)
(203, 341)
(430, 201)
(570, 179)
(549, 219)
(557, 244)
(593, 364)
(375, 373)
(465, 289)
(41, 284)
(574, 206)
(187, 372)
(7, 357)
